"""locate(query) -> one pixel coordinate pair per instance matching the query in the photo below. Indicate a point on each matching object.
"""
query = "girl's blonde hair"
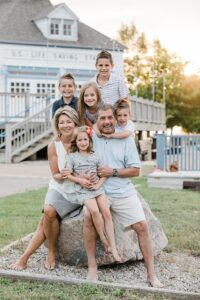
(81, 104)
(122, 104)
(73, 145)
(67, 111)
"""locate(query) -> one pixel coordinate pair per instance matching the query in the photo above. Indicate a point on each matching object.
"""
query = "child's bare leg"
(92, 206)
(104, 209)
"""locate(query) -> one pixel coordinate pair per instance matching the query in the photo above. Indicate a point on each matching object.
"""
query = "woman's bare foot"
(92, 274)
(19, 265)
(50, 261)
(155, 282)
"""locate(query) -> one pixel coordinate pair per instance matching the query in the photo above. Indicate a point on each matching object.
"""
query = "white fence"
(16, 107)
(147, 115)
(184, 150)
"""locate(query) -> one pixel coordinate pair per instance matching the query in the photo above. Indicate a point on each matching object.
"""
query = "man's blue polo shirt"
(60, 103)
(117, 153)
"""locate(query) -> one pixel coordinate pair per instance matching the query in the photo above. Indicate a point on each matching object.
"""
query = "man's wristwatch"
(115, 173)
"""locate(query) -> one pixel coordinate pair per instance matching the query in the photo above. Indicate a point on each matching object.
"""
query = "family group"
(92, 158)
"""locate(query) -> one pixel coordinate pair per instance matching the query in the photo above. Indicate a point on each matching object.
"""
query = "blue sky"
(175, 22)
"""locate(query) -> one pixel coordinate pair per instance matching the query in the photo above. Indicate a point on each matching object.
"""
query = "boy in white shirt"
(111, 86)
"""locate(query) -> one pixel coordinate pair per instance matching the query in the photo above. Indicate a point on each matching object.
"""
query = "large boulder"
(71, 248)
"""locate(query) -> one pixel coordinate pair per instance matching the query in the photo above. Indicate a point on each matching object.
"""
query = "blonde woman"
(56, 204)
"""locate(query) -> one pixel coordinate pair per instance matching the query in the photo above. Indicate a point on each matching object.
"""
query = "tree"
(135, 65)
(154, 73)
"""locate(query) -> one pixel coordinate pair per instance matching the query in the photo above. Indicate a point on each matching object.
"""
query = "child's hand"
(99, 134)
(85, 183)
(97, 130)
(94, 187)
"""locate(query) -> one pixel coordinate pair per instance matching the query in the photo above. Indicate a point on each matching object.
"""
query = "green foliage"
(155, 74)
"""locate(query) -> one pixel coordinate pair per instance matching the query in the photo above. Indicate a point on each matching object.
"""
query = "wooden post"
(160, 144)
(27, 104)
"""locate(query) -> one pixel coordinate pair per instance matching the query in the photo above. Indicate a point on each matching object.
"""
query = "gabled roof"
(17, 26)
(47, 12)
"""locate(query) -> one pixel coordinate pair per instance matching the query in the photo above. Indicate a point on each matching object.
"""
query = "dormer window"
(60, 24)
(61, 28)
(67, 28)
(55, 27)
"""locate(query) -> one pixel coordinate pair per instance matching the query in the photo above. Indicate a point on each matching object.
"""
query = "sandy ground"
(22, 177)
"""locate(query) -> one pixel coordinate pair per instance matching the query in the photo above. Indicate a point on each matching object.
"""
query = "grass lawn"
(12, 290)
(179, 214)
(19, 215)
(178, 211)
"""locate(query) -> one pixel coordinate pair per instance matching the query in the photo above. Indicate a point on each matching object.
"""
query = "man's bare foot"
(154, 282)
(50, 261)
(19, 265)
(92, 274)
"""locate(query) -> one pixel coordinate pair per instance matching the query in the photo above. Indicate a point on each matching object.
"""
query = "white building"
(39, 42)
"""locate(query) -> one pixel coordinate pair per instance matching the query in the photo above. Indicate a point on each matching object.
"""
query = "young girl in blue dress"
(82, 162)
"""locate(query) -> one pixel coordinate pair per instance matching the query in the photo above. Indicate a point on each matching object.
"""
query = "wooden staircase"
(26, 138)
(31, 150)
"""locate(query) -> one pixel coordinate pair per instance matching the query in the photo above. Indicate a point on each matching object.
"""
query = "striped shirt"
(114, 89)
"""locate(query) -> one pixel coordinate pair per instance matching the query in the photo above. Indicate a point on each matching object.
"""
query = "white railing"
(27, 118)
(23, 134)
(15, 107)
(147, 115)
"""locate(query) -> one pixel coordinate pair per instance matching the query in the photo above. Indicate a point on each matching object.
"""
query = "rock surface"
(71, 245)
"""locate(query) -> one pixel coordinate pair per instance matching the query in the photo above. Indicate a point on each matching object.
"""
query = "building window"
(19, 87)
(61, 28)
(55, 27)
(67, 29)
(44, 88)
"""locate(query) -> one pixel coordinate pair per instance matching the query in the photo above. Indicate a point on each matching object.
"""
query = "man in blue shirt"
(121, 161)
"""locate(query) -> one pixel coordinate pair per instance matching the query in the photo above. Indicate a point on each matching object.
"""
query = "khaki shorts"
(127, 211)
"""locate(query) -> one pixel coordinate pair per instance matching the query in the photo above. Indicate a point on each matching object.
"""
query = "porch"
(25, 123)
